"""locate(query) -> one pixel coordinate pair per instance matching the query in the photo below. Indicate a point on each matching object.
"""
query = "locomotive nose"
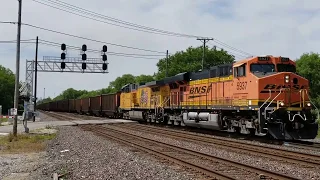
(289, 81)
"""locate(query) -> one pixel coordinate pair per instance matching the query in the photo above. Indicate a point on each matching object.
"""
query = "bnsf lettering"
(274, 86)
(201, 89)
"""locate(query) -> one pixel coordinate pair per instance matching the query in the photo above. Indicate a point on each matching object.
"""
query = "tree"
(119, 82)
(144, 78)
(7, 80)
(308, 66)
(70, 94)
(46, 100)
(191, 61)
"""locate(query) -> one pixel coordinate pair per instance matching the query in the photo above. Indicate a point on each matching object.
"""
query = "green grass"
(24, 143)
(2, 120)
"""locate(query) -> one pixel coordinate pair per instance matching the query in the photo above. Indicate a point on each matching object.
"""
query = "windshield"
(264, 68)
(286, 68)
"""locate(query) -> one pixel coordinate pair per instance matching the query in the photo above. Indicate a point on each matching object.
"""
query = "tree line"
(182, 61)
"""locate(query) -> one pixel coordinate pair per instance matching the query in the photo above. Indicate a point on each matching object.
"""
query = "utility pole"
(35, 81)
(204, 40)
(16, 88)
(44, 93)
(167, 63)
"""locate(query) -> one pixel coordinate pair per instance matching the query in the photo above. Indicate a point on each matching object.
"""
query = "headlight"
(309, 104)
(287, 78)
(281, 103)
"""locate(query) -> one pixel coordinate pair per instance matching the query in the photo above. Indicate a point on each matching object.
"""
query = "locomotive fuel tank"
(202, 120)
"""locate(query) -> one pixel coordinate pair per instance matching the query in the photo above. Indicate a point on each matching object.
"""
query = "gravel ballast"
(87, 156)
(19, 166)
(295, 170)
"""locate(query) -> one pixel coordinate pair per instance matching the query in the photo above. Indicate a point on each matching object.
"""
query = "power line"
(55, 44)
(102, 20)
(74, 8)
(241, 56)
(101, 16)
(75, 36)
(7, 22)
(97, 51)
(230, 47)
(15, 41)
(93, 40)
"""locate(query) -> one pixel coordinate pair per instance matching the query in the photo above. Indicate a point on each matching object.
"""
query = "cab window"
(286, 68)
(263, 68)
(240, 71)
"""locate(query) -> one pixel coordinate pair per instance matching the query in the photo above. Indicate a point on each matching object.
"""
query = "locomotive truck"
(258, 96)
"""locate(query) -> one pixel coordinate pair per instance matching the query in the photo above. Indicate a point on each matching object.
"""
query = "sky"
(286, 28)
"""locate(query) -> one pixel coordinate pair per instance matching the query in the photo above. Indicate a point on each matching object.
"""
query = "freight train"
(258, 96)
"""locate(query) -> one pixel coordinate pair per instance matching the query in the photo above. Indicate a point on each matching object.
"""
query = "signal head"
(63, 47)
(104, 57)
(104, 66)
(63, 56)
(84, 47)
(63, 65)
(84, 57)
(104, 48)
(84, 65)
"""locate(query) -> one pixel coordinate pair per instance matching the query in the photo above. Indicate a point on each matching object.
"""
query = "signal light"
(84, 57)
(63, 65)
(84, 65)
(84, 47)
(63, 47)
(104, 48)
(104, 57)
(104, 66)
(63, 55)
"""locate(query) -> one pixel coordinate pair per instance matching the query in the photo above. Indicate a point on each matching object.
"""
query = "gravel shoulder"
(87, 156)
(20, 166)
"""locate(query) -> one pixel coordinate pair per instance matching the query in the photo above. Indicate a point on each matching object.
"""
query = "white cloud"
(286, 28)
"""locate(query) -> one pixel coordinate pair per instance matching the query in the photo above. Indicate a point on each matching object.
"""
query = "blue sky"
(287, 28)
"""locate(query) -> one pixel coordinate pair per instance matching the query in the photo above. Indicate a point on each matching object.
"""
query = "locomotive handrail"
(302, 95)
(304, 118)
(266, 100)
(265, 110)
(318, 116)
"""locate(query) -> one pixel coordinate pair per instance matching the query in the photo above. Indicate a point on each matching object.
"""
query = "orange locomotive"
(259, 95)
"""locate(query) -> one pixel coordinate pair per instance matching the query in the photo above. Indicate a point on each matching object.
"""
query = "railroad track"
(59, 116)
(202, 164)
(80, 116)
(69, 116)
(310, 160)
(308, 145)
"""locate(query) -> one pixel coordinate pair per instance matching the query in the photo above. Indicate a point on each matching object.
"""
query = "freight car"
(259, 95)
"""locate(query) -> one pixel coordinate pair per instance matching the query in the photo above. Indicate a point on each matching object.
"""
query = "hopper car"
(262, 95)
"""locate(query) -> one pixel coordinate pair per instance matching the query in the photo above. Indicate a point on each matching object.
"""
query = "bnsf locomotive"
(259, 95)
